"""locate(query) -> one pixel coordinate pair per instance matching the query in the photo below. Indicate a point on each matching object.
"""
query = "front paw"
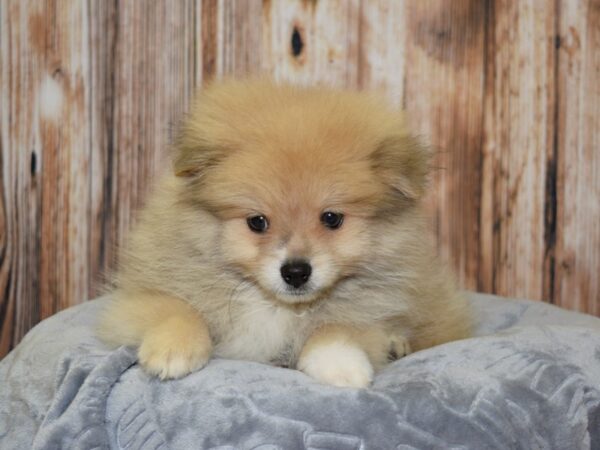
(174, 349)
(339, 364)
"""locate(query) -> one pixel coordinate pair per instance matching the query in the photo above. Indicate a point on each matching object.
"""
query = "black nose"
(296, 273)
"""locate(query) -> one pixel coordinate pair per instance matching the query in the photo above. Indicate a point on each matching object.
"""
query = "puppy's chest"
(263, 333)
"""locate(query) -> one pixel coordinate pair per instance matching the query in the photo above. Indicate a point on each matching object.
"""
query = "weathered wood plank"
(45, 159)
(518, 144)
(64, 124)
(443, 97)
(81, 140)
(239, 37)
(205, 41)
(312, 42)
(21, 73)
(153, 78)
(102, 47)
(577, 277)
(382, 47)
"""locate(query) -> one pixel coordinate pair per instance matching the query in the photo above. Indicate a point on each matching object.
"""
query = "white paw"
(339, 364)
(169, 352)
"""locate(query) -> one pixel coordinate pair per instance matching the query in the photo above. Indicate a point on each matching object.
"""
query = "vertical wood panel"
(205, 40)
(153, 82)
(143, 75)
(94, 89)
(64, 124)
(21, 68)
(328, 33)
(519, 113)
(102, 48)
(335, 43)
(443, 98)
(577, 284)
(45, 159)
(382, 46)
(239, 27)
(281, 20)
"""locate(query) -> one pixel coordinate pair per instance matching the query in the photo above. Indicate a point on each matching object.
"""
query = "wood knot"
(297, 44)
(33, 163)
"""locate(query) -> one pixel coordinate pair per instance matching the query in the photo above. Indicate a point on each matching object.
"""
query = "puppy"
(290, 232)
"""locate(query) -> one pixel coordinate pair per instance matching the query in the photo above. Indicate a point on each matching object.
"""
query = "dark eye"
(332, 220)
(258, 224)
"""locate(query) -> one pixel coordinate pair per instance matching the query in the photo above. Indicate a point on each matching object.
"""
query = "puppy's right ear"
(192, 159)
(203, 136)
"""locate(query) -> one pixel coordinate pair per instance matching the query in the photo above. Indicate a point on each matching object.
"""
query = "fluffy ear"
(193, 159)
(197, 146)
(404, 164)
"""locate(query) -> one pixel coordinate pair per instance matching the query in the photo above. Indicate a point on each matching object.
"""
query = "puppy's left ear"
(404, 164)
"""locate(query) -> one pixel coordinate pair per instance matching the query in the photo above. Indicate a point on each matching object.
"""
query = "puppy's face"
(298, 179)
(294, 222)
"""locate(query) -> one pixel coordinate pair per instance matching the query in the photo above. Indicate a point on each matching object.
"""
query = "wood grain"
(94, 91)
(382, 48)
(508, 93)
(21, 184)
(103, 38)
(64, 127)
(443, 98)
(150, 73)
(205, 43)
(577, 278)
(328, 32)
(518, 146)
(238, 37)
(45, 160)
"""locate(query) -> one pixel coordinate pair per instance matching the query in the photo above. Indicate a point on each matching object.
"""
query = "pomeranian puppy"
(290, 232)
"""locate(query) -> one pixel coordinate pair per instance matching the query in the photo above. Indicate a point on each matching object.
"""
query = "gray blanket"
(531, 380)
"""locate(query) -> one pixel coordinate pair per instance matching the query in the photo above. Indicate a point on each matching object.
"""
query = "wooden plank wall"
(507, 92)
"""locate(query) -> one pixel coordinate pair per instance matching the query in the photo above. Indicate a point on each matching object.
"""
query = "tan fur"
(288, 153)
(172, 337)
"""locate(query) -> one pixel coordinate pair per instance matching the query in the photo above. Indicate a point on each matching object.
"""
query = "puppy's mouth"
(293, 285)
(304, 294)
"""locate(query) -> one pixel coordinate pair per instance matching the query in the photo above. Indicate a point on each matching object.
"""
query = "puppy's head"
(298, 177)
